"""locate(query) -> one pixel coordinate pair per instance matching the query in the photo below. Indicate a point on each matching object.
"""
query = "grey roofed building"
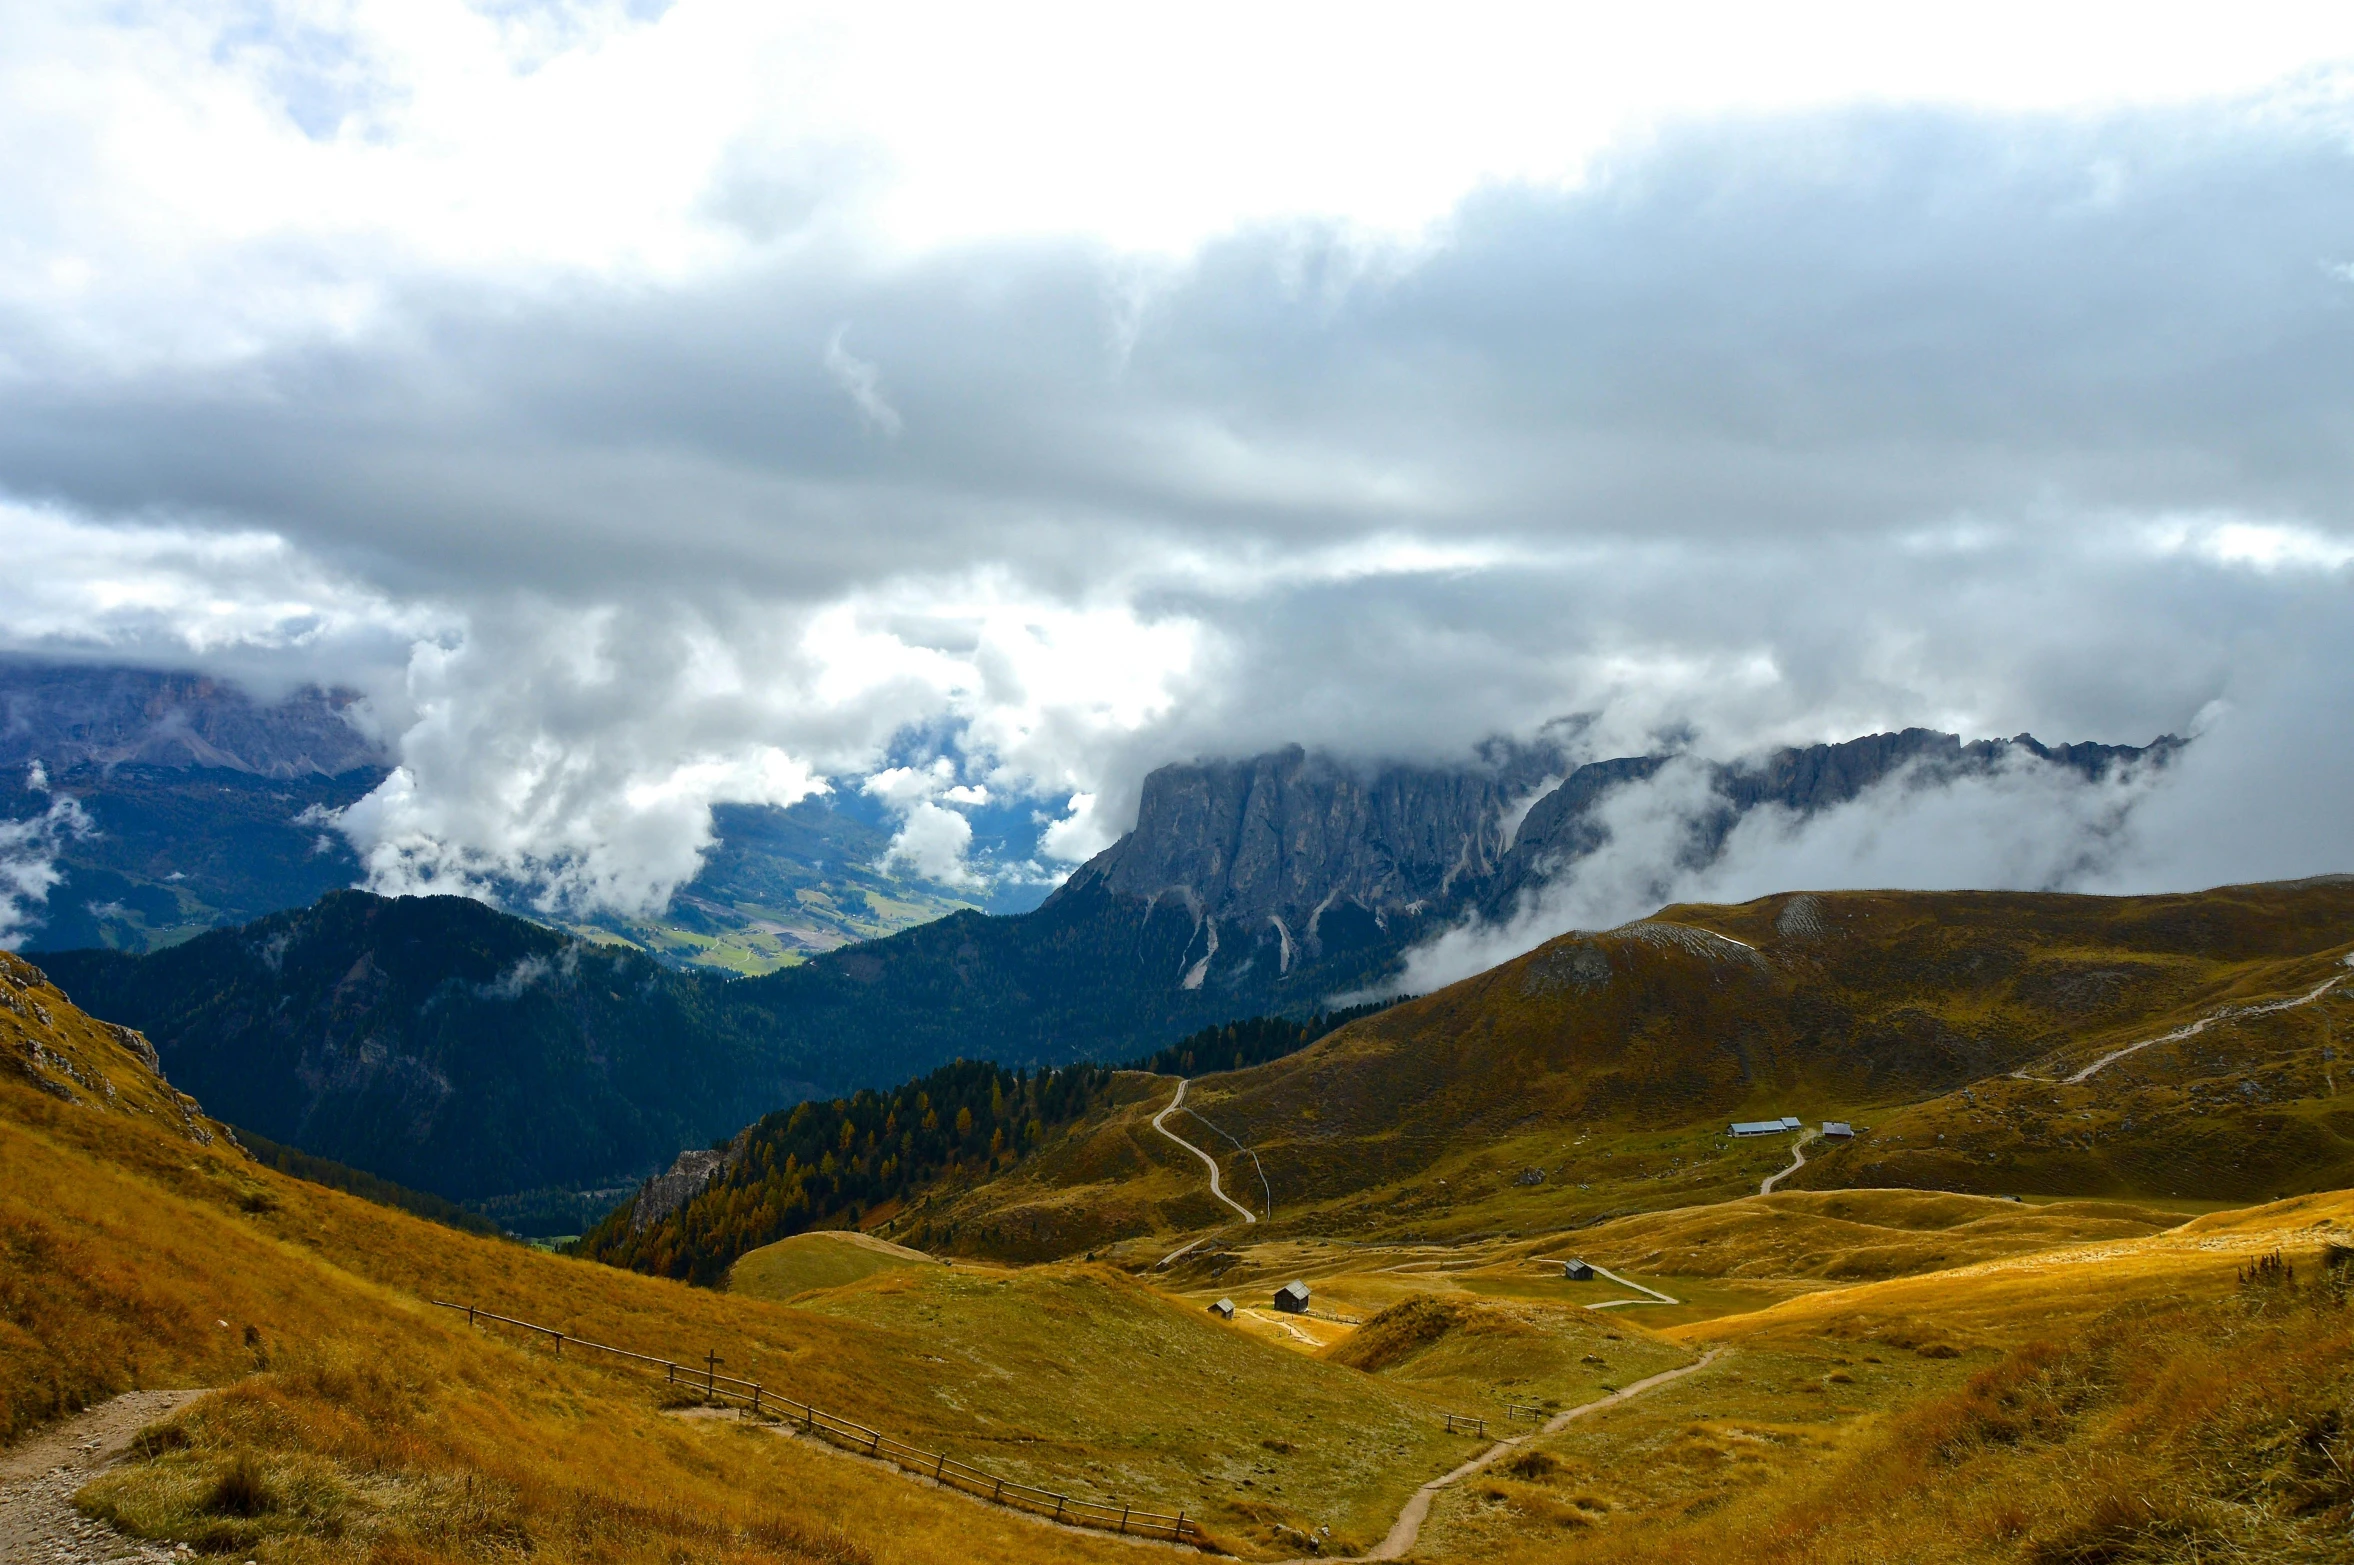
(1577, 1271)
(1292, 1298)
(1838, 1129)
(1223, 1309)
(1764, 1127)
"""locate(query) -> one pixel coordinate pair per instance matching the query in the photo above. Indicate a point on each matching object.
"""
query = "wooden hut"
(1292, 1298)
(1577, 1271)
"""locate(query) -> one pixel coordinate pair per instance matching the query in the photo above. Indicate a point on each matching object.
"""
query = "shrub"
(241, 1490)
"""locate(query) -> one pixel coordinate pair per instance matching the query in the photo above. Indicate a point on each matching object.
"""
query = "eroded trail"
(1159, 1123)
(38, 1479)
(1408, 1527)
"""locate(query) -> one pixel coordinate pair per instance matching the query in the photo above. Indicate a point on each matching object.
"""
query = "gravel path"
(38, 1480)
(1407, 1530)
(1208, 1161)
(1797, 1162)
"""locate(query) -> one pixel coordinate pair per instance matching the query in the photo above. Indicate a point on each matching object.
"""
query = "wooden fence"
(1464, 1424)
(854, 1436)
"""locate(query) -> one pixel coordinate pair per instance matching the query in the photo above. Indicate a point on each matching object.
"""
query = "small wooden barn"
(1223, 1309)
(1577, 1271)
(1292, 1298)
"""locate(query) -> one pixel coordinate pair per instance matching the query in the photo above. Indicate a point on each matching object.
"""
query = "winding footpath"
(1407, 1528)
(1208, 1161)
(1797, 1162)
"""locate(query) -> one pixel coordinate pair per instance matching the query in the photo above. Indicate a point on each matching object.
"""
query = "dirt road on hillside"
(1408, 1527)
(38, 1522)
(1209, 1162)
(1797, 1162)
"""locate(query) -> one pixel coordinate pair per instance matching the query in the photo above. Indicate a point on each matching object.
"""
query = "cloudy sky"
(653, 406)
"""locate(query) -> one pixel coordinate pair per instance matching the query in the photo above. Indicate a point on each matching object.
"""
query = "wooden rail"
(1465, 1424)
(1535, 1415)
(853, 1436)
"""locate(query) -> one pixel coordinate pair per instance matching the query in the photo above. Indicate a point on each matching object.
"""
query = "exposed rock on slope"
(80, 1060)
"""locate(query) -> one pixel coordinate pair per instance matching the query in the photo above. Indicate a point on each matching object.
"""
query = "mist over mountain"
(139, 807)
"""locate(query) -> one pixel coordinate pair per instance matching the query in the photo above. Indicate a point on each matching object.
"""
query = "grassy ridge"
(1594, 1076)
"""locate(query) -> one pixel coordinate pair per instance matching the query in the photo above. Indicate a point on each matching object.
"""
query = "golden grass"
(1075, 1373)
(2008, 1301)
(2169, 1430)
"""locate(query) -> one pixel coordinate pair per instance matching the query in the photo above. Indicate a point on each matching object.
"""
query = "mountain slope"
(443, 1045)
(1597, 1073)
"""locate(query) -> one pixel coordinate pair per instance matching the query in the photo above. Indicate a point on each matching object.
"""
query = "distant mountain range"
(208, 812)
(443, 1045)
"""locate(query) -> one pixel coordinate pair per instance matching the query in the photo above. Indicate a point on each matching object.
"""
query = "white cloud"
(931, 843)
(28, 854)
(933, 839)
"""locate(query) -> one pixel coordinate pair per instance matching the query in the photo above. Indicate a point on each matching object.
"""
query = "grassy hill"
(1595, 1076)
(808, 1263)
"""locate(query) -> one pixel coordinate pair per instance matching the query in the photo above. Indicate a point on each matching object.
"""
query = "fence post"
(469, 1314)
(998, 1494)
(876, 1444)
(940, 1468)
(1123, 1518)
(755, 1400)
(812, 1412)
(1058, 1507)
(1178, 1531)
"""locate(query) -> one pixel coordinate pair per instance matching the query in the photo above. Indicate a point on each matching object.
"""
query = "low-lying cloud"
(28, 858)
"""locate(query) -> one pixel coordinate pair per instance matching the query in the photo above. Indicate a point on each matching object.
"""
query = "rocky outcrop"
(666, 1192)
(1279, 840)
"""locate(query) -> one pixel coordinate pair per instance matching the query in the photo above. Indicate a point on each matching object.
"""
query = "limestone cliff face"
(1282, 839)
(1276, 849)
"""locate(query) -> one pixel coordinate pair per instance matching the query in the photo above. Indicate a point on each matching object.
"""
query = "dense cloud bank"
(1764, 429)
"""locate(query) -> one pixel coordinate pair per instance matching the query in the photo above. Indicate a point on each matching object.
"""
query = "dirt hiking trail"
(38, 1479)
